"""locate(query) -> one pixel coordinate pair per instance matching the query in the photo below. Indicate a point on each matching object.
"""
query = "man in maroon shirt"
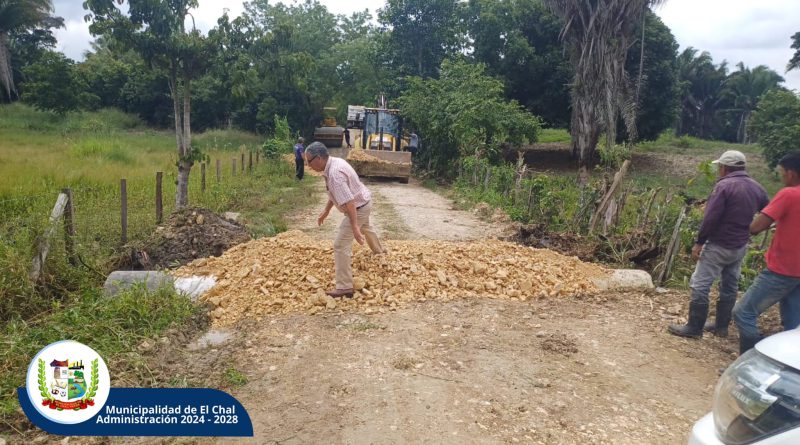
(722, 244)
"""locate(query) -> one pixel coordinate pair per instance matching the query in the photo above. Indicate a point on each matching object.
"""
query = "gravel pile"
(290, 273)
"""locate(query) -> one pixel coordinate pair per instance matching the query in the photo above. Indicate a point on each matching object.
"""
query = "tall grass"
(554, 200)
(92, 165)
(112, 326)
(41, 153)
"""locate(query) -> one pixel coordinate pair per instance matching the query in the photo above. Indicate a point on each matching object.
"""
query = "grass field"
(41, 153)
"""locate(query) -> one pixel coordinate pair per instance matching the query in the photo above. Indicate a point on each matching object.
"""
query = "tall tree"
(776, 124)
(598, 35)
(519, 41)
(156, 30)
(743, 90)
(701, 84)
(654, 66)
(794, 63)
(423, 33)
(19, 16)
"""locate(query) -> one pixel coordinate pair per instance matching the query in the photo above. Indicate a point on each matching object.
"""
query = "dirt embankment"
(187, 235)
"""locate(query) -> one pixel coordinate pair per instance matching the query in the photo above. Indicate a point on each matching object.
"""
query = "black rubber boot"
(747, 343)
(694, 328)
(722, 320)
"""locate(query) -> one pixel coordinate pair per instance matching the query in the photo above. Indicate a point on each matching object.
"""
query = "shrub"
(776, 124)
(463, 113)
(281, 141)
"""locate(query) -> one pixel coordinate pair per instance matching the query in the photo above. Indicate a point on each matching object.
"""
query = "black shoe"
(747, 343)
(694, 328)
(722, 320)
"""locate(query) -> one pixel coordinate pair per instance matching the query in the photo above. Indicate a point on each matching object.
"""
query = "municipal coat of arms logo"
(68, 382)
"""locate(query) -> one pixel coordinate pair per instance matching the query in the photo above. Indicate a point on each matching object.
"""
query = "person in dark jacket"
(299, 162)
(722, 244)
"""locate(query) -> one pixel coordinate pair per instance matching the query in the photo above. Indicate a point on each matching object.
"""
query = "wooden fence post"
(123, 191)
(258, 157)
(69, 227)
(43, 242)
(604, 203)
(233, 167)
(242, 164)
(203, 177)
(219, 171)
(672, 249)
(159, 197)
(250, 163)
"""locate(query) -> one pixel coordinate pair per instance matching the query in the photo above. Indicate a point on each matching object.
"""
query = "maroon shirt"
(730, 209)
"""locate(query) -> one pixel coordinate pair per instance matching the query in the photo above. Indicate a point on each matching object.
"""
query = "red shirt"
(783, 256)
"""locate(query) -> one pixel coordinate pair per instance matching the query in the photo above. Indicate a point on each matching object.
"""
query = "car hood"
(783, 347)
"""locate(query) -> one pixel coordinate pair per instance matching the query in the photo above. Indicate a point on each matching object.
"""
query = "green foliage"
(423, 34)
(281, 141)
(518, 40)
(794, 63)
(112, 326)
(613, 157)
(659, 95)
(19, 117)
(716, 104)
(52, 85)
(551, 200)
(776, 124)
(550, 135)
(21, 19)
(97, 148)
(463, 113)
(234, 377)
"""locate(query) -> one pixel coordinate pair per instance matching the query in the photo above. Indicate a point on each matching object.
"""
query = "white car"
(757, 400)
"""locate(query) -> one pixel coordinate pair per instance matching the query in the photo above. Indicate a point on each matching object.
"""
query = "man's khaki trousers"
(343, 246)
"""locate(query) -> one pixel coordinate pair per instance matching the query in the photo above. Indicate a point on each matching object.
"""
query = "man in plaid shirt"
(348, 194)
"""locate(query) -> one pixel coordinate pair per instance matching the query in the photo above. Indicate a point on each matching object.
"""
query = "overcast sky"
(753, 32)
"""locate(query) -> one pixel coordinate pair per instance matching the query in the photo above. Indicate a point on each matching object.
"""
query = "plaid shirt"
(344, 185)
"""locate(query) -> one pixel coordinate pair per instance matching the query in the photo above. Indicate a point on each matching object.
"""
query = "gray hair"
(317, 149)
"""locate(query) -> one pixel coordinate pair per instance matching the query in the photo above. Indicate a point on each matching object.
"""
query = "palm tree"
(598, 34)
(794, 63)
(701, 85)
(16, 16)
(743, 90)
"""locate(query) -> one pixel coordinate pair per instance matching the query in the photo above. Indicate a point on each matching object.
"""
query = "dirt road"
(404, 211)
(597, 370)
(594, 371)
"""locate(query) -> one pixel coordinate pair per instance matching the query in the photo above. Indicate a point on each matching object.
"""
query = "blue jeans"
(717, 262)
(767, 289)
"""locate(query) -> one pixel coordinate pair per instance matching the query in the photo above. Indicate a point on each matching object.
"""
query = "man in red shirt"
(780, 281)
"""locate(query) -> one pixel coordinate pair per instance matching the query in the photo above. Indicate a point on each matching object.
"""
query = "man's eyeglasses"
(311, 160)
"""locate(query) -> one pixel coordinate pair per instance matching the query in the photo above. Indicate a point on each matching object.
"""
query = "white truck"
(757, 399)
(355, 116)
